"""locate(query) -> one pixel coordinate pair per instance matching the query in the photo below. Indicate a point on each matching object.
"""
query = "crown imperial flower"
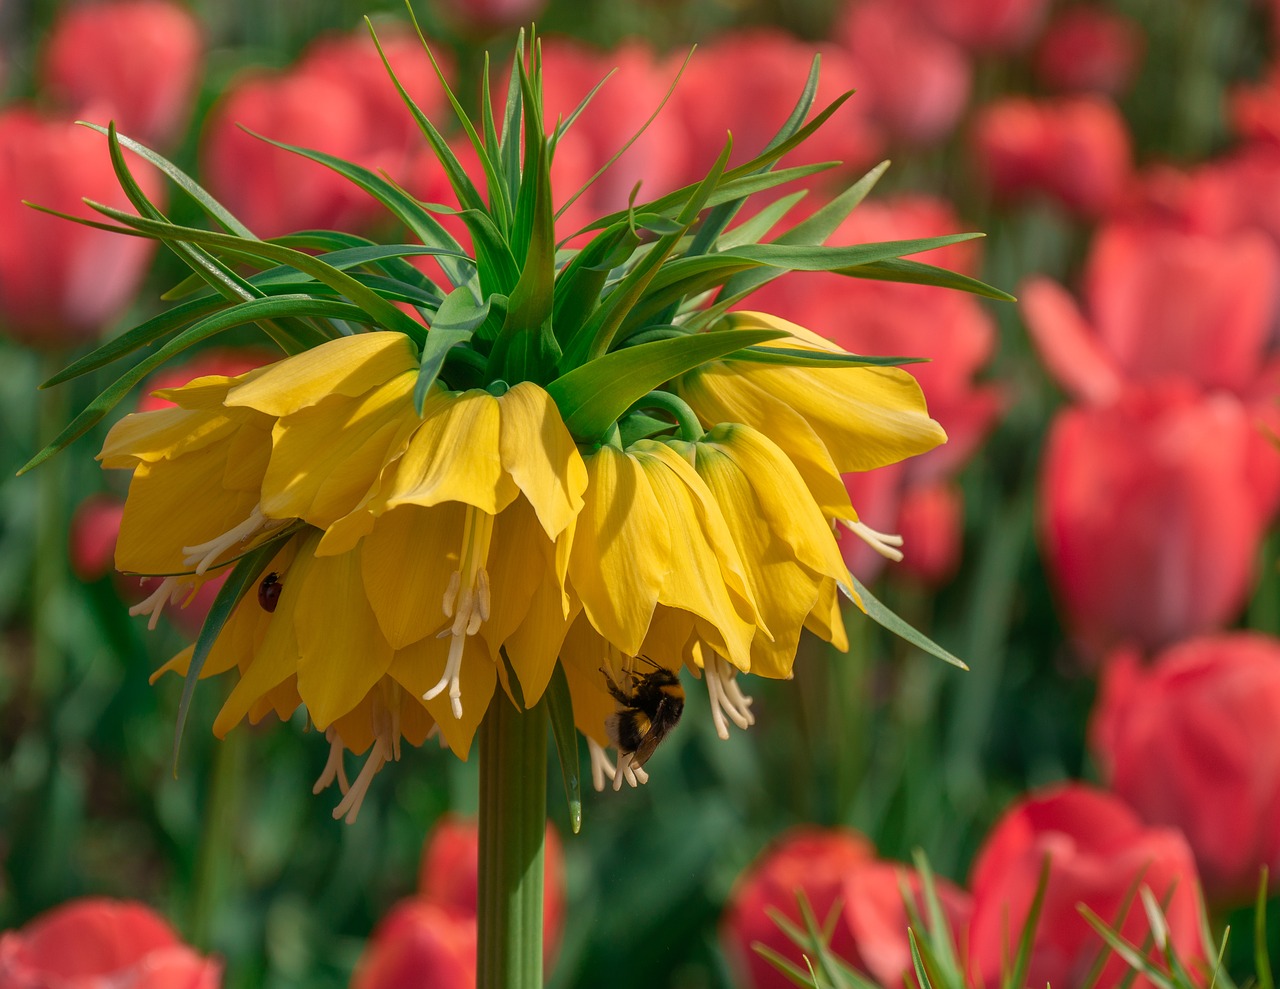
(565, 473)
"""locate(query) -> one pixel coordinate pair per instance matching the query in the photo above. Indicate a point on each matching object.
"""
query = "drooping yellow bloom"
(828, 421)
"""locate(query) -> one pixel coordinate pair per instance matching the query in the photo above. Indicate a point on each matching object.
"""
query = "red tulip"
(132, 61)
(480, 18)
(1161, 303)
(61, 283)
(339, 100)
(1098, 852)
(931, 521)
(95, 526)
(1150, 516)
(810, 860)
(915, 82)
(420, 943)
(985, 25)
(1255, 110)
(1074, 149)
(449, 875)
(1089, 49)
(877, 917)
(96, 943)
(1205, 714)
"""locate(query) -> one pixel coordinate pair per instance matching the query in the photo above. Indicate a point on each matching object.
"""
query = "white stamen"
(452, 676)
(168, 592)
(601, 765)
(333, 767)
(726, 696)
(634, 775)
(383, 751)
(884, 543)
(202, 557)
(483, 597)
(451, 593)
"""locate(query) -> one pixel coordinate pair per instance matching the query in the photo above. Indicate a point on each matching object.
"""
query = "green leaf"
(592, 396)
(237, 315)
(1261, 954)
(560, 710)
(402, 205)
(214, 209)
(499, 206)
(378, 310)
(881, 614)
(243, 576)
(640, 427)
(141, 335)
(1017, 978)
(816, 358)
(918, 273)
(634, 137)
(455, 322)
(917, 963)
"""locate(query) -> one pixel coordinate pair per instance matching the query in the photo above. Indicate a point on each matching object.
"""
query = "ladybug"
(269, 591)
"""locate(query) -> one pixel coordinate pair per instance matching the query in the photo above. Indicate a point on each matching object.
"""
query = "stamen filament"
(154, 603)
(467, 600)
(884, 543)
(727, 697)
(334, 768)
(202, 556)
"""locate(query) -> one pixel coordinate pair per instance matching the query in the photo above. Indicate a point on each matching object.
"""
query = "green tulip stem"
(513, 822)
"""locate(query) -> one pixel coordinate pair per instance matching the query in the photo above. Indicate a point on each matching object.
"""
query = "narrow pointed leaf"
(457, 319)
(560, 710)
(593, 396)
(918, 273)
(881, 615)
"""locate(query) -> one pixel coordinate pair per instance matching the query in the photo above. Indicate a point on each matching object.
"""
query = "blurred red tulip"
(1161, 303)
(481, 18)
(915, 82)
(339, 100)
(748, 83)
(449, 875)
(1099, 852)
(419, 943)
(95, 526)
(810, 860)
(930, 521)
(214, 361)
(1255, 110)
(985, 25)
(132, 61)
(1089, 49)
(96, 943)
(658, 159)
(1150, 516)
(61, 283)
(1205, 713)
(877, 917)
(1073, 149)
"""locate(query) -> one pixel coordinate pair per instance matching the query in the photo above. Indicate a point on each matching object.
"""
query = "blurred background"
(1097, 540)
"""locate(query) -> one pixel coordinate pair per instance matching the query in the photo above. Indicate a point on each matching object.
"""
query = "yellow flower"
(197, 469)
(828, 421)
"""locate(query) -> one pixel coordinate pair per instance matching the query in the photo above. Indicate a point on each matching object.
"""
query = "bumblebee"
(651, 705)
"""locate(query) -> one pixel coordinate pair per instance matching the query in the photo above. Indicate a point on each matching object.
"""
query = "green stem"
(513, 822)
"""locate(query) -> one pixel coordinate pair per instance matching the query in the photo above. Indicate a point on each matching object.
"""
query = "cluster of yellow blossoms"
(415, 552)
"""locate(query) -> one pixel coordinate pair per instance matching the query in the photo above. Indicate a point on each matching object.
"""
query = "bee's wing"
(658, 728)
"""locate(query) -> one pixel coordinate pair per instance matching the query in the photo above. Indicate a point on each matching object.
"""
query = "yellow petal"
(540, 455)
(454, 456)
(347, 366)
(826, 620)
(407, 561)
(521, 560)
(534, 647)
(419, 667)
(146, 437)
(583, 656)
(172, 504)
(208, 392)
(720, 395)
(343, 652)
(621, 548)
(326, 458)
(704, 572)
(277, 658)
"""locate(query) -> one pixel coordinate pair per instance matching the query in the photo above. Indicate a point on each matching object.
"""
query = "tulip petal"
(407, 560)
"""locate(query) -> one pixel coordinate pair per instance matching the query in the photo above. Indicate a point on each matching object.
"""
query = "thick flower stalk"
(574, 459)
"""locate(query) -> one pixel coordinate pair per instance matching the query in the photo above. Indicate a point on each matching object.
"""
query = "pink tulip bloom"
(136, 62)
(1075, 150)
(1089, 49)
(62, 283)
(1098, 852)
(1151, 515)
(985, 25)
(1204, 712)
(419, 943)
(96, 943)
